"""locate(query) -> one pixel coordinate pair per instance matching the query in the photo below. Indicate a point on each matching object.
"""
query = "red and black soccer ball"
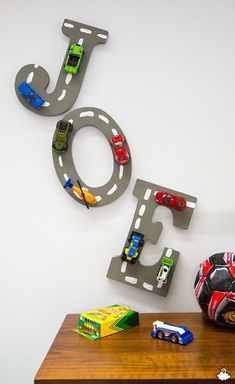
(215, 288)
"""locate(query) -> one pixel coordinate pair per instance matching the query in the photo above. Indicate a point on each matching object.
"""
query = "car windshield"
(62, 127)
(32, 96)
(118, 144)
(179, 203)
(167, 199)
(73, 60)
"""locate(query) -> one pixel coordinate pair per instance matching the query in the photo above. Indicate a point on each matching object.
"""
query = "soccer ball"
(215, 288)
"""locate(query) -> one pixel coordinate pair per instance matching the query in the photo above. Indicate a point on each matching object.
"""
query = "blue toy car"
(31, 96)
(132, 252)
(170, 332)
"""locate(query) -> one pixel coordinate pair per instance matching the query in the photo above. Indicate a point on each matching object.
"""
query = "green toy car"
(73, 59)
(61, 136)
(164, 271)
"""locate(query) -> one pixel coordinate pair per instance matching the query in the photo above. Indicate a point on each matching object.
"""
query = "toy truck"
(170, 332)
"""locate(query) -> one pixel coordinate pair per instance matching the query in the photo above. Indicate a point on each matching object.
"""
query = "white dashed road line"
(131, 280)
(61, 97)
(87, 114)
(142, 209)
(60, 161)
(66, 176)
(30, 77)
(137, 223)
(147, 286)
(169, 252)
(121, 169)
(190, 204)
(147, 194)
(68, 25)
(68, 78)
(114, 132)
(46, 104)
(112, 190)
(84, 30)
(123, 267)
(104, 118)
(102, 36)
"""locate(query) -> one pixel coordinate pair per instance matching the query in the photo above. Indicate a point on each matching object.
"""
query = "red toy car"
(175, 202)
(119, 148)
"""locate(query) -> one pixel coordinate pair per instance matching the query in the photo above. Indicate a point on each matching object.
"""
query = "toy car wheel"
(123, 257)
(66, 147)
(141, 243)
(174, 339)
(133, 261)
(160, 335)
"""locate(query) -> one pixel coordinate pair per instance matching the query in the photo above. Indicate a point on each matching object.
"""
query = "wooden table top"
(133, 356)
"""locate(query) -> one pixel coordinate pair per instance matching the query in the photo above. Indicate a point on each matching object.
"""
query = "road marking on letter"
(121, 171)
(102, 36)
(105, 119)
(112, 190)
(147, 194)
(147, 286)
(66, 176)
(68, 25)
(142, 210)
(137, 223)
(169, 252)
(84, 30)
(114, 132)
(62, 95)
(68, 78)
(123, 268)
(131, 280)
(46, 104)
(60, 161)
(87, 113)
(190, 204)
(30, 77)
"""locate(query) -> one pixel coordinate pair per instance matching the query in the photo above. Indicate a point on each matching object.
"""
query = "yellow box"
(106, 321)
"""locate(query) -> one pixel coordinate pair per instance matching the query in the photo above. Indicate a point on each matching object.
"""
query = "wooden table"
(132, 356)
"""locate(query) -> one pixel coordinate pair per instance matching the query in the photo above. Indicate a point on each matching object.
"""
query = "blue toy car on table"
(170, 332)
(132, 252)
(30, 95)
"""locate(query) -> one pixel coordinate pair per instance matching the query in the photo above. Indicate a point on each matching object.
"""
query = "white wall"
(167, 76)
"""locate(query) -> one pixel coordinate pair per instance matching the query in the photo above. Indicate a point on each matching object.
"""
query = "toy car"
(30, 95)
(175, 202)
(73, 59)
(61, 136)
(170, 332)
(132, 252)
(81, 193)
(164, 270)
(120, 152)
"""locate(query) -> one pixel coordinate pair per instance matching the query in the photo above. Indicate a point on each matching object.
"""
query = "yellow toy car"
(81, 193)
